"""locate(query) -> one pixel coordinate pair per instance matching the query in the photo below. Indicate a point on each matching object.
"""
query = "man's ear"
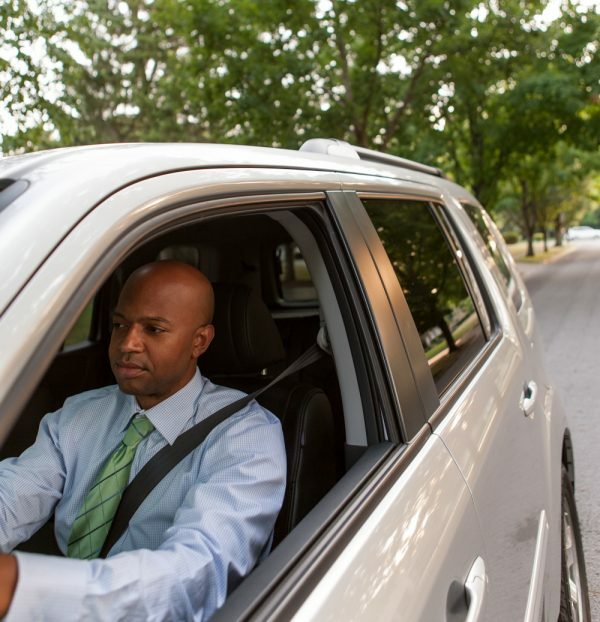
(202, 339)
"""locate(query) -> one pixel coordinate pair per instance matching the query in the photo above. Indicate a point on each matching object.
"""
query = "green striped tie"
(91, 526)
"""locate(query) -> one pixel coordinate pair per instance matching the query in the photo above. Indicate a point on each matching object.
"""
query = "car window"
(294, 280)
(433, 285)
(80, 332)
(483, 223)
(237, 252)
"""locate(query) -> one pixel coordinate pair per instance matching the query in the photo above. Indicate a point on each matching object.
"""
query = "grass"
(519, 251)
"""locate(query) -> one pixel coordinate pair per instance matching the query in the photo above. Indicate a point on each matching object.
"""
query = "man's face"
(157, 336)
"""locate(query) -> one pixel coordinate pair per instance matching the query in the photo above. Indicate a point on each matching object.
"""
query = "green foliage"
(508, 106)
(592, 219)
(512, 237)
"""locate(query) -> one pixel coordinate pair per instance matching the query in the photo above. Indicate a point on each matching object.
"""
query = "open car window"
(277, 259)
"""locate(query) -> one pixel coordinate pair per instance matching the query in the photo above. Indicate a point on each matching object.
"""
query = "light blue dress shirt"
(193, 538)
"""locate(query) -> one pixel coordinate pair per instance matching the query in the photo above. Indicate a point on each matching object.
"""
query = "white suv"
(430, 463)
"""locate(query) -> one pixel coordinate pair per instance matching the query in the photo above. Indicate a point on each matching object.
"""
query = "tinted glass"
(81, 330)
(484, 225)
(432, 282)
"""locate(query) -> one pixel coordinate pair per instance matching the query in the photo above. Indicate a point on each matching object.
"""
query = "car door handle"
(475, 588)
(528, 398)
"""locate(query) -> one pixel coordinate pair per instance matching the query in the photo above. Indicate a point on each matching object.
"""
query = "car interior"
(274, 299)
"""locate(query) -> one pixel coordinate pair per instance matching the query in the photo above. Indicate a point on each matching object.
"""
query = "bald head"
(162, 324)
(186, 283)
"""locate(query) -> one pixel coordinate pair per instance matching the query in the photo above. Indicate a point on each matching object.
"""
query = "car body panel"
(529, 435)
(492, 442)
(416, 547)
(511, 495)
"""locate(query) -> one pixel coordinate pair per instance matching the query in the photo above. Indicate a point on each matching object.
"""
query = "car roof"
(130, 161)
(72, 181)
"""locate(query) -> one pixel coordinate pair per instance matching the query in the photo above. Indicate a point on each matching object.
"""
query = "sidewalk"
(519, 251)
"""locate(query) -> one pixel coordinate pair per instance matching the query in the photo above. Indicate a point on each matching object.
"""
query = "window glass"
(295, 282)
(82, 327)
(484, 225)
(432, 282)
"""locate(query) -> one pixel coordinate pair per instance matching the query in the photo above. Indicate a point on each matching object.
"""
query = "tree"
(486, 91)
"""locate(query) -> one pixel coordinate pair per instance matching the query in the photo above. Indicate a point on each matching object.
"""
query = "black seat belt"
(169, 456)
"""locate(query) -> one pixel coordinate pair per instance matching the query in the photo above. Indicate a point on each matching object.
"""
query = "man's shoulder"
(219, 396)
(252, 426)
(93, 398)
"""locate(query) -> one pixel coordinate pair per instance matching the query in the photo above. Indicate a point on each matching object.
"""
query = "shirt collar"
(170, 416)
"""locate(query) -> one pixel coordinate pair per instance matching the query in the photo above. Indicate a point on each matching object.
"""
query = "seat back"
(245, 353)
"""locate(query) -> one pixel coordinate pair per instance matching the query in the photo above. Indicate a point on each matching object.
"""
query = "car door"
(397, 538)
(419, 554)
(477, 373)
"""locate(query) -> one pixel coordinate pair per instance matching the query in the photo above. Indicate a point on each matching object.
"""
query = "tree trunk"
(528, 213)
(530, 250)
(558, 229)
(545, 240)
(448, 336)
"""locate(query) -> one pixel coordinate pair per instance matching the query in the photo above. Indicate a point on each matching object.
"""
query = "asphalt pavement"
(566, 297)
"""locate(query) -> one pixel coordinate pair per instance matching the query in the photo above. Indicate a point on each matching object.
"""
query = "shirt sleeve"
(218, 534)
(30, 486)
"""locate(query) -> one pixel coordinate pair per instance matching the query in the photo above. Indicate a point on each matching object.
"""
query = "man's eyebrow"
(145, 318)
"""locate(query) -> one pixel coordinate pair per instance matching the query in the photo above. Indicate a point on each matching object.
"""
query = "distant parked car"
(583, 232)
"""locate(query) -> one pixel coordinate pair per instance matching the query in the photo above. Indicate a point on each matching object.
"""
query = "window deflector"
(404, 353)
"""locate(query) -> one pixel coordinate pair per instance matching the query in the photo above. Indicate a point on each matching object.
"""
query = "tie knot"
(139, 428)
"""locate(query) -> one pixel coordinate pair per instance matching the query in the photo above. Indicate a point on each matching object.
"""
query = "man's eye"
(118, 325)
(155, 330)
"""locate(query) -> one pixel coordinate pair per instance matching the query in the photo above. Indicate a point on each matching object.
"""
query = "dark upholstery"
(246, 338)
(246, 344)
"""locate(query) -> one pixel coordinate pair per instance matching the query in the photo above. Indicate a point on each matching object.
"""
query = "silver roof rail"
(340, 148)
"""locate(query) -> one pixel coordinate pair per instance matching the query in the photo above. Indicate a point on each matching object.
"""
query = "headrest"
(246, 337)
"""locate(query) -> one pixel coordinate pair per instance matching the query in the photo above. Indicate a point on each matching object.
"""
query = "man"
(200, 530)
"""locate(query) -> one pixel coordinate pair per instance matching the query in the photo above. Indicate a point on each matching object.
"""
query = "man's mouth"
(128, 370)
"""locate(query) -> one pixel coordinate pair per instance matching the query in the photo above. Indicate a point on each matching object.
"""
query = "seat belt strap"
(169, 456)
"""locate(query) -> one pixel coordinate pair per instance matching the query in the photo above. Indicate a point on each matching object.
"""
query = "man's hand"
(8, 581)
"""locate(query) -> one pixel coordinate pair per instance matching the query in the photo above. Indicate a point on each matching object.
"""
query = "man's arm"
(30, 486)
(218, 534)
(8, 581)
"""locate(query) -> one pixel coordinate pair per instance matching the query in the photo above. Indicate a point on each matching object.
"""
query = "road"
(566, 297)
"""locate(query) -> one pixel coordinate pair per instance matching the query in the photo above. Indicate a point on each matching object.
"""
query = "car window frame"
(372, 273)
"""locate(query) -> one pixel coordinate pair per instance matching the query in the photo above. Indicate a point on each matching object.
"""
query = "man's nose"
(133, 340)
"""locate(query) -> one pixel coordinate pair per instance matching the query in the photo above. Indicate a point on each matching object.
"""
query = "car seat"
(245, 354)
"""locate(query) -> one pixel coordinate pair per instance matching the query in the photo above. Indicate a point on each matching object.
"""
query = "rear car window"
(491, 237)
(437, 295)
(294, 281)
